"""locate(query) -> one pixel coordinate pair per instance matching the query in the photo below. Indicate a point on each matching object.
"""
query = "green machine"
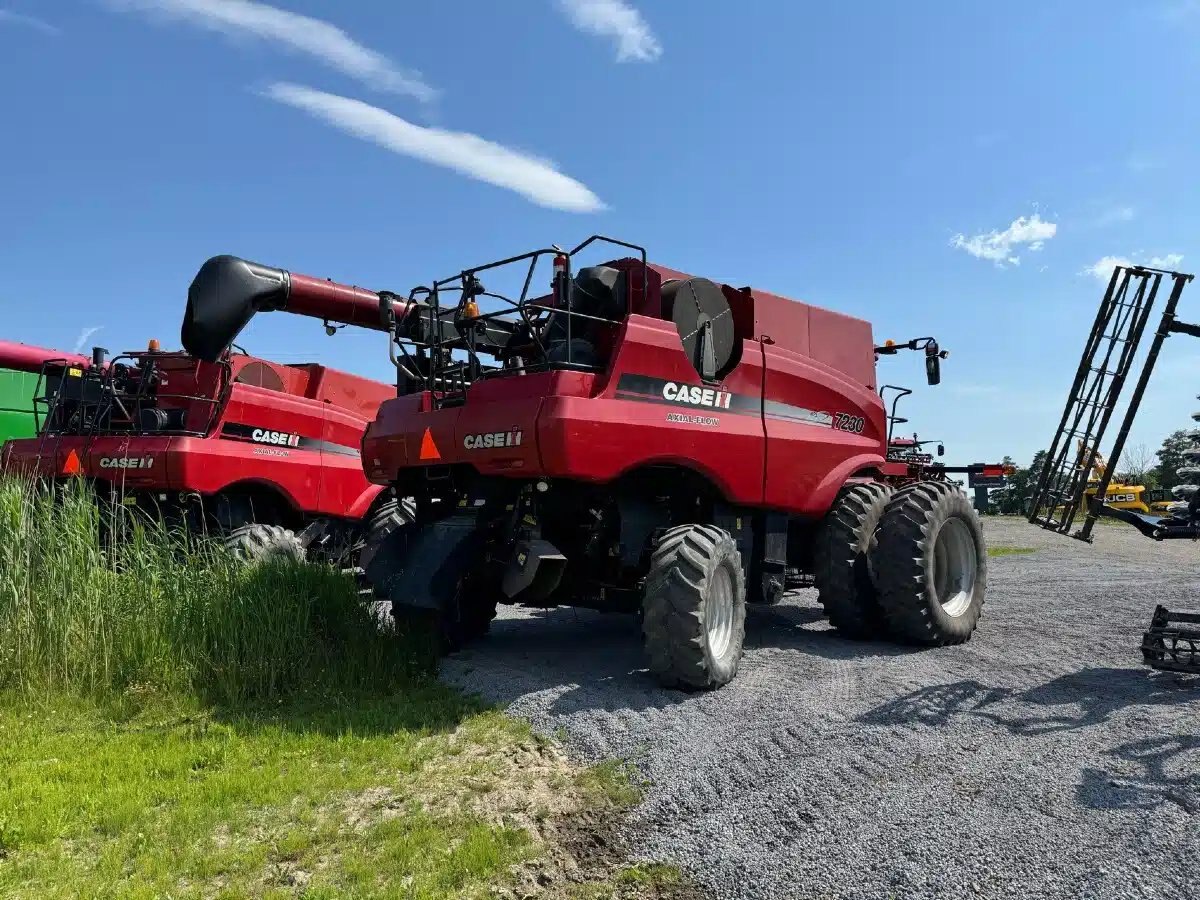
(17, 390)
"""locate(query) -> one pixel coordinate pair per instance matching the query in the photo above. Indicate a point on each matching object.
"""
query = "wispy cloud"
(316, 38)
(8, 17)
(617, 20)
(535, 179)
(84, 337)
(1102, 268)
(1001, 247)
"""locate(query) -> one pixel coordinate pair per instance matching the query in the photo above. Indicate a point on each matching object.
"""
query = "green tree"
(1010, 500)
(1170, 458)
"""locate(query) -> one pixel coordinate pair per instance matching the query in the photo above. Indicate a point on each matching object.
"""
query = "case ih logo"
(693, 395)
(276, 438)
(493, 440)
(126, 462)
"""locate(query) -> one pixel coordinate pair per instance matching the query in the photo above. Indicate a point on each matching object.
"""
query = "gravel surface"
(1041, 759)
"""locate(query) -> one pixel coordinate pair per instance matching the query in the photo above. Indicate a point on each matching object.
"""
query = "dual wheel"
(910, 564)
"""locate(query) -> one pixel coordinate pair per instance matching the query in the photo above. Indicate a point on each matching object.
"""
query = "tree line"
(1137, 465)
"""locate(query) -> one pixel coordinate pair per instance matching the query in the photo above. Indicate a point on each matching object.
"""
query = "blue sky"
(941, 168)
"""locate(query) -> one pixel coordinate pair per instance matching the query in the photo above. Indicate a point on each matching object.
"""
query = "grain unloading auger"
(1173, 640)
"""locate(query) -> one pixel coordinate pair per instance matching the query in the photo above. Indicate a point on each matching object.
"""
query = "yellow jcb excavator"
(1121, 496)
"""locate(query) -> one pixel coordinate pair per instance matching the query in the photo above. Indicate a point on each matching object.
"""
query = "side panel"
(821, 427)
(497, 431)
(654, 409)
(843, 343)
(121, 460)
(344, 487)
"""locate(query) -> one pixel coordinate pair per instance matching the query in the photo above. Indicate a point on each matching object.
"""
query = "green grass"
(355, 798)
(1010, 551)
(160, 612)
(174, 724)
(615, 782)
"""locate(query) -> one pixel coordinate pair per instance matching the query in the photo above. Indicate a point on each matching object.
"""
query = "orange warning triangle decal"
(429, 449)
(72, 466)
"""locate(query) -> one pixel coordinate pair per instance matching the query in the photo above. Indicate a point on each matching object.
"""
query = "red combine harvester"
(264, 454)
(644, 441)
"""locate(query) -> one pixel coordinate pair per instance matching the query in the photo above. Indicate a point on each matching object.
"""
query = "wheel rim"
(955, 565)
(718, 613)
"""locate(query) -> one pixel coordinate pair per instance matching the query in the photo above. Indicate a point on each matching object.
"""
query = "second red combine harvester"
(262, 454)
(644, 441)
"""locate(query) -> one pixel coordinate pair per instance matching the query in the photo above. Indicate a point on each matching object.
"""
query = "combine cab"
(1076, 476)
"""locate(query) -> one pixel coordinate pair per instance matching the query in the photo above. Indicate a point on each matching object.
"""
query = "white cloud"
(1001, 246)
(618, 20)
(535, 179)
(7, 17)
(1102, 268)
(322, 41)
(84, 337)
(1169, 261)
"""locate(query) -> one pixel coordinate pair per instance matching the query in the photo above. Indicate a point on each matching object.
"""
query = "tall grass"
(101, 601)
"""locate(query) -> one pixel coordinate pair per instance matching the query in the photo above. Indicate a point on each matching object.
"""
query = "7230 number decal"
(847, 422)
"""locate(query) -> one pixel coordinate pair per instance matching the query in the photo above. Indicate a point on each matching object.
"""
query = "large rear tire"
(694, 608)
(841, 565)
(930, 564)
(255, 543)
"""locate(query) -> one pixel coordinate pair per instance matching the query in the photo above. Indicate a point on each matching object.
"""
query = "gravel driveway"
(1039, 760)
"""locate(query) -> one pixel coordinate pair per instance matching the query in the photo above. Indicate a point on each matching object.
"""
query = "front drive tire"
(466, 595)
(841, 567)
(254, 543)
(467, 621)
(930, 564)
(694, 608)
(390, 516)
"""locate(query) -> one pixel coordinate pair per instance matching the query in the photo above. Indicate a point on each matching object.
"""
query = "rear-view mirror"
(933, 367)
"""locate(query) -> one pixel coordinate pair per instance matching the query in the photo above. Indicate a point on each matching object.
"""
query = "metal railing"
(516, 336)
